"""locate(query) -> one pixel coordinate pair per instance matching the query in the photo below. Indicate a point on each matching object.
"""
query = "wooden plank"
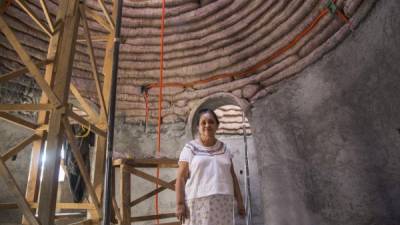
(26, 107)
(81, 163)
(99, 19)
(125, 190)
(19, 72)
(161, 162)
(93, 115)
(67, 205)
(43, 127)
(101, 142)
(26, 59)
(109, 20)
(34, 17)
(8, 206)
(47, 15)
(149, 194)
(116, 209)
(18, 121)
(17, 194)
(86, 123)
(33, 184)
(150, 178)
(69, 215)
(152, 217)
(68, 19)
(93, 64)
(93, 38)
(83, 222)
(170, 223)
(19, 147)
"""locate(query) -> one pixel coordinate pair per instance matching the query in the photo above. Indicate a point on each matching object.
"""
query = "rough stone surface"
(237, 93)
(250, 90)
(328, 141)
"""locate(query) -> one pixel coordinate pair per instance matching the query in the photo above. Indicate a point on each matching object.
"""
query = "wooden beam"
(125, 190)
(149, 195)
(101, 142)
(26, 59)
(17, 194)
(26, 107)
(152, 217)
(18, 121)
(81, 163)
(83, 222)
(103, 7)
(21, 71)
(93, 63)
(69, 215)
(65, 35)
(33, 184)
(101, 20)
(169, 223)
(19, 147)
(65, 205)
(86, 123)
(150, 178)
(148, 163)
(28, 11)
(8, 206)
(88, 109)
(93, 38)
(116, 209)
(47, 15)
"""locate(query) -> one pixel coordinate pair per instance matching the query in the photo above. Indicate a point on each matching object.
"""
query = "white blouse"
(209, 169)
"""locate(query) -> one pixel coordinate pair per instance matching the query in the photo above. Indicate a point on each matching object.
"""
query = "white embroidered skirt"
(210, 210)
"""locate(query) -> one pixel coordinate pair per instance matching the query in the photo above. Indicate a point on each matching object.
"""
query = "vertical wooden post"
(101, 142)
(68, 15)
(32, 188)
(125, 192)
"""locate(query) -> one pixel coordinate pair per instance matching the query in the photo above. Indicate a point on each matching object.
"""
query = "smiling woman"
(206, 181)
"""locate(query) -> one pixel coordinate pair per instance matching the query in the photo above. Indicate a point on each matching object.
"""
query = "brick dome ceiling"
(237, 46)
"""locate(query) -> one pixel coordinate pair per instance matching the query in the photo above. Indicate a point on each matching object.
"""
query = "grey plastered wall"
(10, 135)
(327, 140)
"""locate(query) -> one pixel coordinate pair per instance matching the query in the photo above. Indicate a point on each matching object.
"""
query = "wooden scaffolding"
(55, 111)
(129, 167)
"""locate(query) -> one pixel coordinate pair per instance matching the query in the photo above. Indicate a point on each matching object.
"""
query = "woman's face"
(207, 125)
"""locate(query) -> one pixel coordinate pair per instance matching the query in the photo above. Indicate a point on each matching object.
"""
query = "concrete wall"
(10, 136)
(327, 140)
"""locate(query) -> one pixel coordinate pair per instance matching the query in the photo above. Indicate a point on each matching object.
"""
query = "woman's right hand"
(181, 212)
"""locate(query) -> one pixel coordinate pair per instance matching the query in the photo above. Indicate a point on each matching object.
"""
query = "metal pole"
(247, 179)
(111, 115)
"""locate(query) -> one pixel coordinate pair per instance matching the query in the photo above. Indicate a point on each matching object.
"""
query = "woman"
(206, 181)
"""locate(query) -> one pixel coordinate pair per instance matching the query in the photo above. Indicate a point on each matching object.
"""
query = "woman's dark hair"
(204, 111)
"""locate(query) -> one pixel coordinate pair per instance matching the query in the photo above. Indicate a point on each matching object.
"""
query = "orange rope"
(254, 68)
(146, 100)
(160, 99)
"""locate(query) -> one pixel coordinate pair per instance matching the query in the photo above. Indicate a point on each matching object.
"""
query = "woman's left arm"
(237, 192)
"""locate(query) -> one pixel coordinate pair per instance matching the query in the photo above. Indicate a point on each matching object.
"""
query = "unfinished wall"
(327, 140)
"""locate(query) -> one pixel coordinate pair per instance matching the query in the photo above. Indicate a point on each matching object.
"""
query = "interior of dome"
(98, 98)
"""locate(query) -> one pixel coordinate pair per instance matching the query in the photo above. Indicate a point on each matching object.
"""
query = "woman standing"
(206, 182)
